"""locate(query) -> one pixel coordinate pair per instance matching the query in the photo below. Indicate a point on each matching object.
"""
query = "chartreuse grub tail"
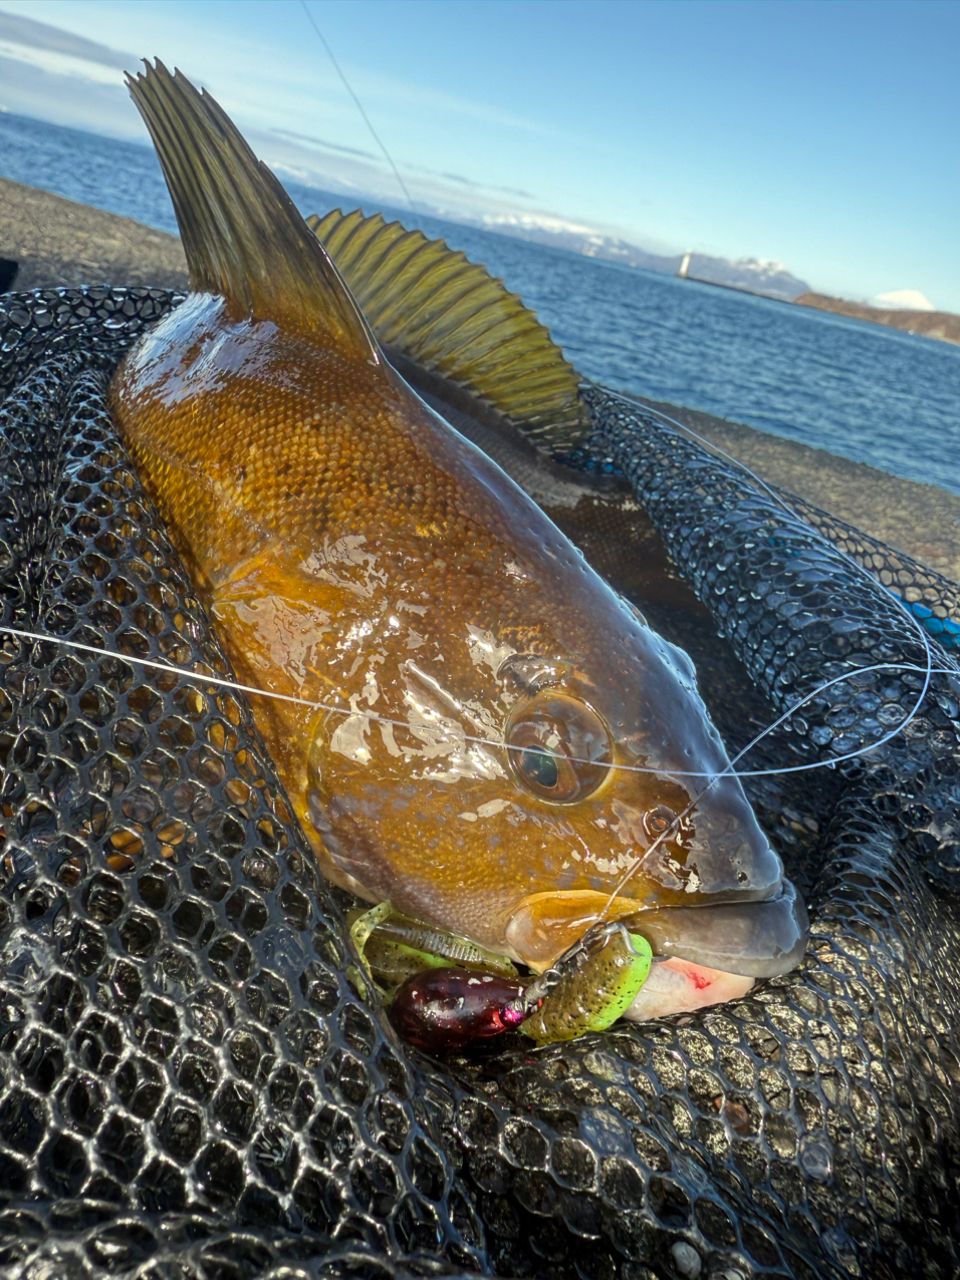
(592, 986)
(392, 947)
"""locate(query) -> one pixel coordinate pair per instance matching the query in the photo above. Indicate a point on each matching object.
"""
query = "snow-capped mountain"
(755, 275)
(562, 233)
(903, 300)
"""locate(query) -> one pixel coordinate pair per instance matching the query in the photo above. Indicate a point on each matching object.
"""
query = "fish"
(503, 748)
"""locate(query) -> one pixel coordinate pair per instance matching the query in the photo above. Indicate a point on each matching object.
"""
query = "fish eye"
(559, 748)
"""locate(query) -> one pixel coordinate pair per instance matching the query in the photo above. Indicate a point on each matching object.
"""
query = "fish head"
(517, 795)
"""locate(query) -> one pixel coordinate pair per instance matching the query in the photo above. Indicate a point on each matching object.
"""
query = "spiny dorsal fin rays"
(242, 234)
(449, 315)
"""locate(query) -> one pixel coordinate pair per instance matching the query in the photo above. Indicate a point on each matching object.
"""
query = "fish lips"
(755, 939)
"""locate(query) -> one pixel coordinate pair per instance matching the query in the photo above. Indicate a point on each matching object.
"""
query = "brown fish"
(357, 550)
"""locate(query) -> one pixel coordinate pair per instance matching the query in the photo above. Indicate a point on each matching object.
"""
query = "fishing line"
(378, 717)
(359, 105)
(832, 549)
(712, 778)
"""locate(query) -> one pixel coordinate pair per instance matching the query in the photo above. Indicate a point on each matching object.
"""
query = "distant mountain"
(902, 300)
(756, 275)
(930, 324)
(753, 275)
(562, 234)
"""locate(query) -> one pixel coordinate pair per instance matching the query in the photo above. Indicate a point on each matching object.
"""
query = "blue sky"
(822, 135)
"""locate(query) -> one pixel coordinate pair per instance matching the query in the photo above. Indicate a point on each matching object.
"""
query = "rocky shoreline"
(55, 241)
(942, 325)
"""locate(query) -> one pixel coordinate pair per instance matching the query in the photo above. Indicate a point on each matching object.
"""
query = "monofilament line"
(359, 105)
(831, 547)
(928, 670)
(202, 677)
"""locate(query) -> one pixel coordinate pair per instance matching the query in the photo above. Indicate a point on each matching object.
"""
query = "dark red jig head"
(443, 1010)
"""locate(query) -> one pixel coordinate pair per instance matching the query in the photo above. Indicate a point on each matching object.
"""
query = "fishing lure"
(444, 992)
(588, 989)
(356, 550)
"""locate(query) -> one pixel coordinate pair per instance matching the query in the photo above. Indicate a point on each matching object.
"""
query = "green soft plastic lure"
(446, 993)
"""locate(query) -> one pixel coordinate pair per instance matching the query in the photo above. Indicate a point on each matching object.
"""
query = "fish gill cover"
(191, 1084)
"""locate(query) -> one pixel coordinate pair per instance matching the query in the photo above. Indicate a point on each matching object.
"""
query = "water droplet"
(815, 1159)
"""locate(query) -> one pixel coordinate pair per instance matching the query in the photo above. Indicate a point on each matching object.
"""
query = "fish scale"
(189, 1081)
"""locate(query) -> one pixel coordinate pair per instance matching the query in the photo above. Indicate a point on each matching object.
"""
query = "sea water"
(873, 394)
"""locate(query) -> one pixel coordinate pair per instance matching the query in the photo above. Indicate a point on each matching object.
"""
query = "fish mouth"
(709, 955)
(756, 939)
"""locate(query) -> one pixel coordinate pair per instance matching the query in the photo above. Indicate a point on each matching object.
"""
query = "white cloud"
(537, 221)
(393, 90)
(65, 77)
(61, 64)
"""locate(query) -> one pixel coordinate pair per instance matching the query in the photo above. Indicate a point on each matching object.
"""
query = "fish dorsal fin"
(241, 232)
(450, 316)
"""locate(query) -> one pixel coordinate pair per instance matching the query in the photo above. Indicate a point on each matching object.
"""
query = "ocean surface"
(872, 394)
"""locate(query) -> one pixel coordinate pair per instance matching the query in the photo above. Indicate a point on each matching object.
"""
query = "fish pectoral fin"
(241, 232)
(546, 924)
(269, 572)
(430, 304)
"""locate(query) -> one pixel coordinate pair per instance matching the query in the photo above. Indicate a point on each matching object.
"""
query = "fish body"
(501, 760)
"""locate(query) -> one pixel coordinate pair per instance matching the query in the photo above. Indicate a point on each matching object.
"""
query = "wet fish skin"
(455, 571)
(357, 550)
(851, 1060)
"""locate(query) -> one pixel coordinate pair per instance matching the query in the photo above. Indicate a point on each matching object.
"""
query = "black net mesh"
(192, 1083)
